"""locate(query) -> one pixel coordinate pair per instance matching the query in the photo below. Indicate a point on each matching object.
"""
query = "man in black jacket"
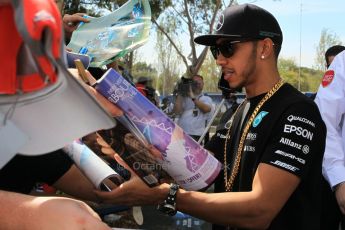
(271, 149)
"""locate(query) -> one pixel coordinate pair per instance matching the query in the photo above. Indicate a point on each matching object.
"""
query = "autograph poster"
(187, 162)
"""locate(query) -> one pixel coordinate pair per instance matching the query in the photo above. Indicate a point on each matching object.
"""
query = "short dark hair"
(197, 75)
(333, 51)
(143, 80)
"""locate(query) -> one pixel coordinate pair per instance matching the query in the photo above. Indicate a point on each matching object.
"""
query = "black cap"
(244, 22)
(143, 80)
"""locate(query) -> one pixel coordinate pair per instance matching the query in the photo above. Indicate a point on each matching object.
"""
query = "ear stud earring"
(262, 57)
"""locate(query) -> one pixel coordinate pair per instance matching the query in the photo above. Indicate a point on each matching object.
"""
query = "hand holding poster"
(100, 174)
(187, 162)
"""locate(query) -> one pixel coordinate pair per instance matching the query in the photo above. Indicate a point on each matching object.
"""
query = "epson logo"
(298, 131)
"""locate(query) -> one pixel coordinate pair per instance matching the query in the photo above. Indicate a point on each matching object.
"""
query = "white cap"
(40, 120)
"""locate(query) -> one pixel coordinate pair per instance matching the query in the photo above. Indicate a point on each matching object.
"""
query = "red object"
(141, 88)
(327, 78)
(48, 189)
(34, 19)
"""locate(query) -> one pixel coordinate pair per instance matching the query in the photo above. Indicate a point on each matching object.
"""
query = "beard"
(248, 72)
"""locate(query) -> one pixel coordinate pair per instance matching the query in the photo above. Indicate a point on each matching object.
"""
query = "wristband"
(169, 204)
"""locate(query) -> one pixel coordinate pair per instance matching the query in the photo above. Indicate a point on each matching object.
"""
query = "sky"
(301, 28)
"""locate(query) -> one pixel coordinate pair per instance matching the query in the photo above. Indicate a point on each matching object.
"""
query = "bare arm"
(255, 209)
(205, 108)
(70, 22)
(340, 196)
(25, 212)
(178, 109)
(74, 183)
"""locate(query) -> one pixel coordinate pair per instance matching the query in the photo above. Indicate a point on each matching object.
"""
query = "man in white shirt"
(331, 102)
(195, 109)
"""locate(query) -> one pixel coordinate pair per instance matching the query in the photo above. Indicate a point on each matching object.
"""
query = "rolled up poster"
(94, 168)
(186, 161)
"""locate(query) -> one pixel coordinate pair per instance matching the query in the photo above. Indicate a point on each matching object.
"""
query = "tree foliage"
(308, 79)
(211, 74)
(168, 65)
(189, 17)
(327, 39)
(92, 7)
(142, 69)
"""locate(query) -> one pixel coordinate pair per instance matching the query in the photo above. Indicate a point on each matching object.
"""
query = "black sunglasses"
(227, 49)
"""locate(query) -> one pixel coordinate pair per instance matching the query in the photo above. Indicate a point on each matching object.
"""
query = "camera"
(184, 85)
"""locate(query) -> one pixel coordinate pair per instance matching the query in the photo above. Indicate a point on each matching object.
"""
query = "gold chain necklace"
(229, 182)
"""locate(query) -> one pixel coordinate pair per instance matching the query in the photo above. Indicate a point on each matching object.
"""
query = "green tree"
(327, 39)
(288, 70)
(142, 69)
(168, 64)
(211, 74)
(100, 7)
(92, 7)
(187, 17)
(309, 78)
